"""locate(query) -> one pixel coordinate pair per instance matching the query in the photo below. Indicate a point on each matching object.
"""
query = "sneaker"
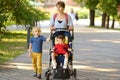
(65, 66)
(54, 64)
(39, 76)
(35, 75)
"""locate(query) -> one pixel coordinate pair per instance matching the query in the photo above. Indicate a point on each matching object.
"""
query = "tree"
(108, 7)
(91, 5)
(4, 12)
(27, 14)
(19, 11)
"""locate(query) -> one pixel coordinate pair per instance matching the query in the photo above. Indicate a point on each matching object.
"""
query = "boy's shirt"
(61, 48)
(37, 43)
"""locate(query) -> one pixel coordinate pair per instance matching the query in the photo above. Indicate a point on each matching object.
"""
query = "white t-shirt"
(72, 16)
(61, 25)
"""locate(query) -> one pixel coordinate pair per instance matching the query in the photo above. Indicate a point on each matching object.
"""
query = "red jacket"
(61, 48)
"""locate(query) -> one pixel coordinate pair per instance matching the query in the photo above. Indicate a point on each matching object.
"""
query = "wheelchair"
(60, 73)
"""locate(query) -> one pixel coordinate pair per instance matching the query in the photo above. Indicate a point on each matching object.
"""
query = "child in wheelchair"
(60, 48)
(61, 58)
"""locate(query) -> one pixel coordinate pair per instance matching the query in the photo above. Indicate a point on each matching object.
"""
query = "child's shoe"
(54, 64)
(65, 63)
(39, 76)
(35, 75)
(65, 66)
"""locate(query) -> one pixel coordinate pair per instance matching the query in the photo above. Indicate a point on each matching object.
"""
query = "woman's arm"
(70, 23)
(52, 22)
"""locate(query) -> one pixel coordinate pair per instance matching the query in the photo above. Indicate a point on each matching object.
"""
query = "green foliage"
(105, 6)
(118, 2)
(108, 6)
(90, 4)
(98, 13)
(27, 14)
(19, 11)
(83, 13)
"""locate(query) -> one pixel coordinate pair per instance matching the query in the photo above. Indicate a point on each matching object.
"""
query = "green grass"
(12, 44)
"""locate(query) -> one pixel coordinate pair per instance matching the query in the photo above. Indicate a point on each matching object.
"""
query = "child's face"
(59, 40)
(36, 33)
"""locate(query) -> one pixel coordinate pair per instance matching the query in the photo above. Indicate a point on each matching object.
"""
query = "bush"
(83, 15)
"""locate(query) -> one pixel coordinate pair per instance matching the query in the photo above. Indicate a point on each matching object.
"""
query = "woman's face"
(60, 8)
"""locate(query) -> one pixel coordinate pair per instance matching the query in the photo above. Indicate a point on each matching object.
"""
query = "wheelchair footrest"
(61, 74)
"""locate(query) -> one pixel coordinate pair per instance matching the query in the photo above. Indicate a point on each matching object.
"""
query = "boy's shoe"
(35, 75)
(39, 76)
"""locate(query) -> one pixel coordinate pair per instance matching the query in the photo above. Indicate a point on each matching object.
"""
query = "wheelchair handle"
(55, 29)
(71, 31)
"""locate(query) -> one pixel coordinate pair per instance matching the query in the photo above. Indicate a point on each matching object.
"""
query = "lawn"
(12, 44)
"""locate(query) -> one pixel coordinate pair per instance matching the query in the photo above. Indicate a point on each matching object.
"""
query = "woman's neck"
(61, 13)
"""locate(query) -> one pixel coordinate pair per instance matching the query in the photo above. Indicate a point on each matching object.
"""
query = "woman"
(61, 21)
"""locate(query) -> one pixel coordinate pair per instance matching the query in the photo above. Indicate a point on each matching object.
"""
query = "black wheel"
(47, 75)
(75, 74)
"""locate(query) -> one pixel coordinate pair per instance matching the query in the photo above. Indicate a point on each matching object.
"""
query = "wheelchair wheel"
(47, 75)
(75, 74)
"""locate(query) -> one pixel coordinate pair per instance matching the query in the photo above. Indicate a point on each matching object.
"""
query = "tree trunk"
(113, 22)
(107, 23)
(92, 15)
(103, 19)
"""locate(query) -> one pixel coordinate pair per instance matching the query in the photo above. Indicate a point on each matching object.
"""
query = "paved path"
(45, 24)
(96, 57)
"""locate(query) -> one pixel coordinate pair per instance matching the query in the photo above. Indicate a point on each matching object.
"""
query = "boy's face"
(36, 33)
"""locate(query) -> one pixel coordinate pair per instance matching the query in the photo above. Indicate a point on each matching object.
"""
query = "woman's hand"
(52, 28)
(70, 28)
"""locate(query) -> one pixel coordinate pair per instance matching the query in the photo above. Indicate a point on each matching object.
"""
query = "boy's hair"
(61, 37)
(61, 3)
(36, 29)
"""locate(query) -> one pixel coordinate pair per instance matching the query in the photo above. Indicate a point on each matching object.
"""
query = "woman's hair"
(61, 3)
(36, 29)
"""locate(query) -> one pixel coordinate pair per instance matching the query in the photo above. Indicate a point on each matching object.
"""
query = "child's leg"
(65, 61)
(34, 59)
(53, 60)
(39, 63)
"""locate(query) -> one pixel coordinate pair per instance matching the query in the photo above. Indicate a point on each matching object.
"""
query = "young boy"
(60, 48)
(35, 51)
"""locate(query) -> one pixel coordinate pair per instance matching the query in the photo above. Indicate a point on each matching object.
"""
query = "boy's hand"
(48, 39)
(30, 54)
